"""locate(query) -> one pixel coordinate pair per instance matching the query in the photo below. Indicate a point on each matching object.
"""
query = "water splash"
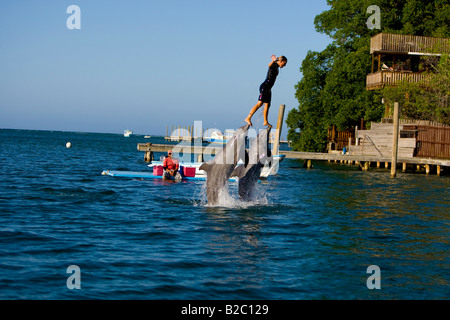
(229, 198)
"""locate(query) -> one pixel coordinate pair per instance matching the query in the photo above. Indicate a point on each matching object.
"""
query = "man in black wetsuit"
(265, 93)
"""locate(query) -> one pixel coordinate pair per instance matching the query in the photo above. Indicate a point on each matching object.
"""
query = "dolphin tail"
(246, 127)
(238, 171)
(206, 166)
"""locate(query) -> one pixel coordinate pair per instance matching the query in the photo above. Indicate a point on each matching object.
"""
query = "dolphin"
(219, 169)
(259, 154)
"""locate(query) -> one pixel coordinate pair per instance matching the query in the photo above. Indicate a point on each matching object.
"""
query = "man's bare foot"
(248, 121)
(268, 124)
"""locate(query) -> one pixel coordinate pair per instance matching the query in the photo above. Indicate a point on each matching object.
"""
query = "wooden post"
(276, 144)
(438, 169)
(372, 62)
(307, 164)
(395, 142)
(404, 167)
(427, 169)
(149, 157)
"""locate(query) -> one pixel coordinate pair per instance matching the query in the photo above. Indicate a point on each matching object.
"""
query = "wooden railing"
(381, 78)
(431, 142)
(400, 43)
(416, 122)
(337, 140)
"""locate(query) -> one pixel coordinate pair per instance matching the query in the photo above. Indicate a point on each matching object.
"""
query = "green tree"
(307, 126)
(332, 90)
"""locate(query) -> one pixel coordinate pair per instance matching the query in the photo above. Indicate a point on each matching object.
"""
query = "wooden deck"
(408, 44)
(385, 45)
(379, 79)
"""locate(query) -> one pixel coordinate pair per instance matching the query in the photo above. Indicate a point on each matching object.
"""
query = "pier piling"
(276, 145)
(395, 142)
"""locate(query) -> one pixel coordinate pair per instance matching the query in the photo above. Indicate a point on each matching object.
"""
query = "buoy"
(68, 145)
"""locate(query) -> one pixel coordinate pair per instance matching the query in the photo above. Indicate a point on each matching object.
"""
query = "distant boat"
(127, 133)
(218, 137)
(147, 137)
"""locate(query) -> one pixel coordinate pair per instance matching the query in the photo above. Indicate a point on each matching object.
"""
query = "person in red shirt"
(170, 166)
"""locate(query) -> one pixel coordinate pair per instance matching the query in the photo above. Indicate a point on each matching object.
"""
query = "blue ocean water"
(312, 234)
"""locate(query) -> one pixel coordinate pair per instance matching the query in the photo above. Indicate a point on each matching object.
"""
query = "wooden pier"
(372, 147)
(364, 162)
(187, 133)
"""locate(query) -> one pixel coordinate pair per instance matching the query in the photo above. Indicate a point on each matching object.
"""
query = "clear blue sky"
(145, 65)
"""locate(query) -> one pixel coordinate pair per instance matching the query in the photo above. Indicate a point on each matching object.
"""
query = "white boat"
(201, 174)
(127, 133)
(218, 137)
